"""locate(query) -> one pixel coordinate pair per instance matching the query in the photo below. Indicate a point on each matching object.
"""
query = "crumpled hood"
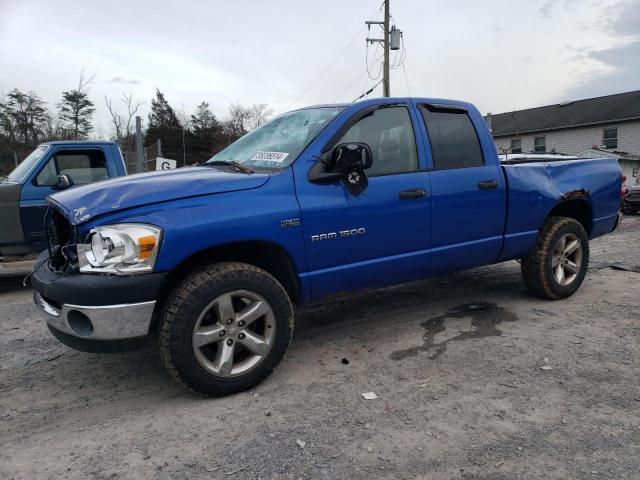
(81, 204)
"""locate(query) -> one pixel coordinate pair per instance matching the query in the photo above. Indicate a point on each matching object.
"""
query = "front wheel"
(224, 328)
(557, 265)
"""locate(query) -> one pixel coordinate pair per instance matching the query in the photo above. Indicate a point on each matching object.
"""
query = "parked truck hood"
(81, 204)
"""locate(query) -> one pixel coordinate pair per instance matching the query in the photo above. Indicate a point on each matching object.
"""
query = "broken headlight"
(124, 249)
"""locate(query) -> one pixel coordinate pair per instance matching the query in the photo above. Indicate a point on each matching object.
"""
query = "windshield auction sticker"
(276, 157)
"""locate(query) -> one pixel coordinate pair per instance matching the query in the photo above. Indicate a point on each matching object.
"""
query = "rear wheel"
(225, 328)
(558, 263)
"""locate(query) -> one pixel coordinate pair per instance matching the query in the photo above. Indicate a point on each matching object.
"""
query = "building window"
(610, 138)
(539, 145)
(516, 145)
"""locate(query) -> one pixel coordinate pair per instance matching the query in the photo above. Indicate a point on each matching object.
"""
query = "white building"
(604, 126)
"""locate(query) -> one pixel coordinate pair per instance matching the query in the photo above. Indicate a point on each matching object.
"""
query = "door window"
(389, 133)
(453, 139)
(81, 166)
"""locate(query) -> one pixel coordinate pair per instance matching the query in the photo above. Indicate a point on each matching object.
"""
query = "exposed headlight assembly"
(122, 249)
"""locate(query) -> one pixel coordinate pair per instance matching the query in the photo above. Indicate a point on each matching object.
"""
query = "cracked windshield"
(278, 143)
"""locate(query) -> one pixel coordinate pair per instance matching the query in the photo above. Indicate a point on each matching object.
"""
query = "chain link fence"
(189, 153)
(11, 154)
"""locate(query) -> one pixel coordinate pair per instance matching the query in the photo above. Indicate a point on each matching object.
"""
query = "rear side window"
(81, 166)
(454, 141)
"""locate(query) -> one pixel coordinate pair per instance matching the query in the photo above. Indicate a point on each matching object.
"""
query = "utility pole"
(139, 153)
(387, 45)
(385, 76)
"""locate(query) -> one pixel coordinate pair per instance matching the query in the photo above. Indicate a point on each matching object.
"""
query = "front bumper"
(94, 312)
(106, 322)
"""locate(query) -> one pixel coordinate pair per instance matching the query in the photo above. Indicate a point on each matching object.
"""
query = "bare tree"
(53, 129)
(122, 123)
(244, 119)
(257, 114)
(233, 126)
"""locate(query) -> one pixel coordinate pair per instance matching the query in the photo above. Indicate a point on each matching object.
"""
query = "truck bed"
(535, 187)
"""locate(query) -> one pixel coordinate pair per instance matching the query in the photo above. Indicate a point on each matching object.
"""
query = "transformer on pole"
(391, 41)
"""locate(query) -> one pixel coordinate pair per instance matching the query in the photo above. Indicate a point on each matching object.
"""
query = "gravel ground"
(455, 363)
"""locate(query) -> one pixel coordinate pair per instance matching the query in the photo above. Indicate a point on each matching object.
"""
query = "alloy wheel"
(234, 333)
(567, 259)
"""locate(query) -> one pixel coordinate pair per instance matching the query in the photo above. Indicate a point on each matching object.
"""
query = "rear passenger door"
(468, 193)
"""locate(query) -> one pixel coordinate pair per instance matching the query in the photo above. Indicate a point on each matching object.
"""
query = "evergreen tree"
(165, 126)
(76, 110)
(205, 136)
(204, 121)
(23, 117)
(162, 115)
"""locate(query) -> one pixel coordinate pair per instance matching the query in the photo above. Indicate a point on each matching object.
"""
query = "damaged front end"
(94, 312)
(62, 239)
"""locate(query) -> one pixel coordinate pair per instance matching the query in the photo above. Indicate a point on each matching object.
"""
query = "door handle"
(487, 184)
(413, 193)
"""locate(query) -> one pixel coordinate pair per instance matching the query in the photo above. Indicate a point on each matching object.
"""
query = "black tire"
(536, 267)
(186, 302)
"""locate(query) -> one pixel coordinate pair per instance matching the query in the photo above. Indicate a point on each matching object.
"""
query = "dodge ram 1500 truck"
(210, 260)
(51, 167)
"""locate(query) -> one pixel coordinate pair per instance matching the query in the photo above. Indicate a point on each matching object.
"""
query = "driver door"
(381, 236)
(81, 165)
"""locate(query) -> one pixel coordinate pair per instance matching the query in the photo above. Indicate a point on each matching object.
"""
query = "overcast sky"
(499, 54)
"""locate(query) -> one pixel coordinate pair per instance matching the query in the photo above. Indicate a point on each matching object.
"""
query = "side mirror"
(64, 182)
(352, 156)
(346, 162)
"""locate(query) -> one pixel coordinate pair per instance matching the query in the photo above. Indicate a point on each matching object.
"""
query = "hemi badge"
(290, 222)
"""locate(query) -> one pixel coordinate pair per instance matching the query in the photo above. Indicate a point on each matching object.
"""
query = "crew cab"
(210, 260)
(51, 167)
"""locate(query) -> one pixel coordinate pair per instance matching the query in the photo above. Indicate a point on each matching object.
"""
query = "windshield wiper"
(236, 165)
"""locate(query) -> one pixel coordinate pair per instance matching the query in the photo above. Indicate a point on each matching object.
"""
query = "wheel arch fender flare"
(266, 255)
(576, 204)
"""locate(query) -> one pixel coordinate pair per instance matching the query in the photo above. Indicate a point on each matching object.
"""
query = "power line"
(366, 59)
(367, 92)
(406, 80)
(333, 62)
(362, 74)
(402, 62)
(366, 56)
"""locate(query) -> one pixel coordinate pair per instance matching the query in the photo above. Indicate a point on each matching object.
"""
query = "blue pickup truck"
(209, 261)
(51, 167)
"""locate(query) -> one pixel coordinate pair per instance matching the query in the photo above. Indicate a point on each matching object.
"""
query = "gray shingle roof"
(592, 111)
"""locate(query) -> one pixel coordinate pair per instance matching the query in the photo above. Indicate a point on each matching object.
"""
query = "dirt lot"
(455, 363)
